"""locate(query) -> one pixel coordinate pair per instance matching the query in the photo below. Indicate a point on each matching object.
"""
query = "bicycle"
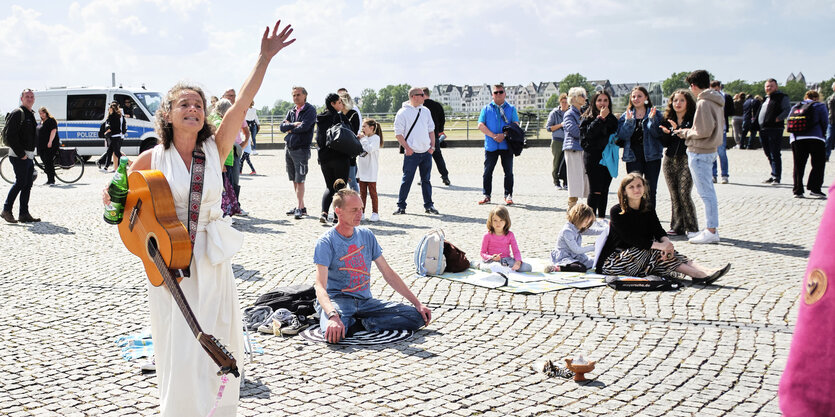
(66, 173)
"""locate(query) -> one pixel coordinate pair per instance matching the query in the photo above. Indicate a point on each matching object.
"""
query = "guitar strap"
(195, 196)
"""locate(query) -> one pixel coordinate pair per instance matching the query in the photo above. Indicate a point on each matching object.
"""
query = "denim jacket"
(571, 125)
(653, 149)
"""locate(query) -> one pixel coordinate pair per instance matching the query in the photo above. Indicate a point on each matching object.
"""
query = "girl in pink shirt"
(499, 243)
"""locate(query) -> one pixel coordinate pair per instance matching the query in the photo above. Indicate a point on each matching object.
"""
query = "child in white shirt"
(371, 139)
(569, 255)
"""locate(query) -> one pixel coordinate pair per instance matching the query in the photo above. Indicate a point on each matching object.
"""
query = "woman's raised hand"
(652, 112)
(271, 44)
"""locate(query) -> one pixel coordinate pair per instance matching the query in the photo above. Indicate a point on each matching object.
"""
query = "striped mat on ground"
(314, 334)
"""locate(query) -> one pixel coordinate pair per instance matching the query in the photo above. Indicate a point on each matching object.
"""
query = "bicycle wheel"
(69, 174)
(7, 170)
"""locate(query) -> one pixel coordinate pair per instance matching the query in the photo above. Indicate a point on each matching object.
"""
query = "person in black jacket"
(48, 143)
(679, 115)
(772, 118)
(116, 126)
(21, 140)
(637, 244)
(748, 112)
(597, 125)
(439, 118)
(335, 165)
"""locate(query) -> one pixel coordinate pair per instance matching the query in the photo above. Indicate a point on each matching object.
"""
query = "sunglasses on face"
(421, 95)
(498, 92)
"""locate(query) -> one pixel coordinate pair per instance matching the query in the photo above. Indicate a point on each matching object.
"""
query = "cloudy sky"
(372, 43)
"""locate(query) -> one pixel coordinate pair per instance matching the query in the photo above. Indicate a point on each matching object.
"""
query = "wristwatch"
(333, 313)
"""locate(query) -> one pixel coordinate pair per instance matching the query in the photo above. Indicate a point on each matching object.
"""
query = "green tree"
(384, 99)
(739, 86)
(400, 93)
(795, 90)
(553, 102)
(575, 80)
(281, 107)
(369, 101)
(674, 82)
(447, 109)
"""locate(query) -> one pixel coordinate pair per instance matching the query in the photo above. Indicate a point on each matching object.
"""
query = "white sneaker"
(691, 235)
(243, 213)
(374, 217)
(330, 217)
(706, 237)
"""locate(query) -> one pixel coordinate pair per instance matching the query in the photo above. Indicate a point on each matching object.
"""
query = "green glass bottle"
(118, 191)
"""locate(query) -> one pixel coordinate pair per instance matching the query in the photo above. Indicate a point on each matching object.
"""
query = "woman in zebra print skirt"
(637, 245)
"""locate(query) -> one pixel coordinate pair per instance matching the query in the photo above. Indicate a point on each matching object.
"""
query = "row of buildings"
(533, 96)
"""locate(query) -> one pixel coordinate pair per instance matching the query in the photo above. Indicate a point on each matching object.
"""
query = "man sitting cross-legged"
(343, 258)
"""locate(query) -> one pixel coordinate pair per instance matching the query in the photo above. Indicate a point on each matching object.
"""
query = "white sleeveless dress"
(187, 376)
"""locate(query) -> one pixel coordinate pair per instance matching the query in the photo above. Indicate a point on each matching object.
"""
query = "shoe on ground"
(148, 367)
(291, 212)
(714, 180)
(445, 181)
(254, 152)
(705, 237)
(331, 216)
(292, 326)
(508, 200)
(299, 213)
(710, 279)
(799, 196)
(253, 173)
(673, 232)
(432, 210)
(243, 213)
(27, 218)
(484, 200)
(399, 211)
(8, 216)
(98, 165)
(817, 194)
(769, 180)
(724, 180)
(775, 182)
(691, 235)
(323, 218)
(374, 217)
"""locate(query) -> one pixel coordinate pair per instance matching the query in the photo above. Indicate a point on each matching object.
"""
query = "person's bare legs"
(299, 186)
(692, 270)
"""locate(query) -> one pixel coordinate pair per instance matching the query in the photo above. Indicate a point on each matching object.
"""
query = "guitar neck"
(176, 292)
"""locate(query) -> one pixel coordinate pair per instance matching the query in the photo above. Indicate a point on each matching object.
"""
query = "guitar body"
(156, 219)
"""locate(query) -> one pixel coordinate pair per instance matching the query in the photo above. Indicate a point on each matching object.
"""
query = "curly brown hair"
(165, 130)
(670, 112)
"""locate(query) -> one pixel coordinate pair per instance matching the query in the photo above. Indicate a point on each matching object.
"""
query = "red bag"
(456, 259)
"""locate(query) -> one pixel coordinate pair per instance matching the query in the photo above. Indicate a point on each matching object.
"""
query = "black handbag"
(514, 135)
(342, 139)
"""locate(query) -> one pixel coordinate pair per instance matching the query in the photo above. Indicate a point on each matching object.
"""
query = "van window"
(129, 107)
(151, 101)
(86, 106)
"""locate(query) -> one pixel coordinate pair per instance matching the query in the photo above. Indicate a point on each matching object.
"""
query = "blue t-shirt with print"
(348, 260)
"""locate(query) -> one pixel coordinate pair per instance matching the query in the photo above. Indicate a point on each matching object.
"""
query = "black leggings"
(333, 170)
(115, 148)
(599, 181)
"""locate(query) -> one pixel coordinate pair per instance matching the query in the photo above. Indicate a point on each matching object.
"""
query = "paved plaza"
(70, 288)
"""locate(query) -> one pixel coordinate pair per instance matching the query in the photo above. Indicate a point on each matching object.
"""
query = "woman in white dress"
(187, 379)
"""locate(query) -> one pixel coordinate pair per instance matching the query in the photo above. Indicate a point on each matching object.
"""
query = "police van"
(81, 110)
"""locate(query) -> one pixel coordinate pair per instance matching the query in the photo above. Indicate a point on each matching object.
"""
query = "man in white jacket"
(415, 131)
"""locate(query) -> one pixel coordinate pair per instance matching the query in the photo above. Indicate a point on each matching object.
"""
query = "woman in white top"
(187, 380)
(371, 139)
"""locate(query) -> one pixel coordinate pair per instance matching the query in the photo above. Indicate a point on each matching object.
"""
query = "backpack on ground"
(800, 117)
(429, 254)
(647, 283)
(456, 259)
(297, 298)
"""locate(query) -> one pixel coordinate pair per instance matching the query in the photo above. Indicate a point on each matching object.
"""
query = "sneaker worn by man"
(399, 211)
(817, 194)
(714, 180)
(445, 181)
(769, 180)
(775, 182)
(799, 196)
(253, 173)
(724, 180)
(27, 218)
(484, 200)
(508, 200)
(432, 210)
(374, 217)
(8, 216)
(691, 235)
(706, 237)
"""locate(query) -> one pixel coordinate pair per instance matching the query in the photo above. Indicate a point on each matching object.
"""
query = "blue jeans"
(352, 178)
(700, 165)
(490, 160)
(253, 130)
(772, 140)
(412, 163)
(24, 170)
(723, 156)
(375, 315)
(830, 141)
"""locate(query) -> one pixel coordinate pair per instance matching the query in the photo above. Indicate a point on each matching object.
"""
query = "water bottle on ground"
(118, 192)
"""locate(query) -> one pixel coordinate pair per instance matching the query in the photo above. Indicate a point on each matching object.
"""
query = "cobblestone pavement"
(70, 288)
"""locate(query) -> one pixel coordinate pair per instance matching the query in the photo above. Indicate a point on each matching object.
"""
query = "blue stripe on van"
(90, 130)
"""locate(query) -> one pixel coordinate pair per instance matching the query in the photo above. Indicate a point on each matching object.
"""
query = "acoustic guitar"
(152, 231)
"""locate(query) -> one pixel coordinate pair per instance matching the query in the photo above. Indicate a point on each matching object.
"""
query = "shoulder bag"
(342, 139)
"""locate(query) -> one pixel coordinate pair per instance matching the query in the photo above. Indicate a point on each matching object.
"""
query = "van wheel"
(148, 144)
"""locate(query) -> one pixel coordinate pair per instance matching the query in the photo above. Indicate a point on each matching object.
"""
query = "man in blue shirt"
(343, 257)
(494, 116)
